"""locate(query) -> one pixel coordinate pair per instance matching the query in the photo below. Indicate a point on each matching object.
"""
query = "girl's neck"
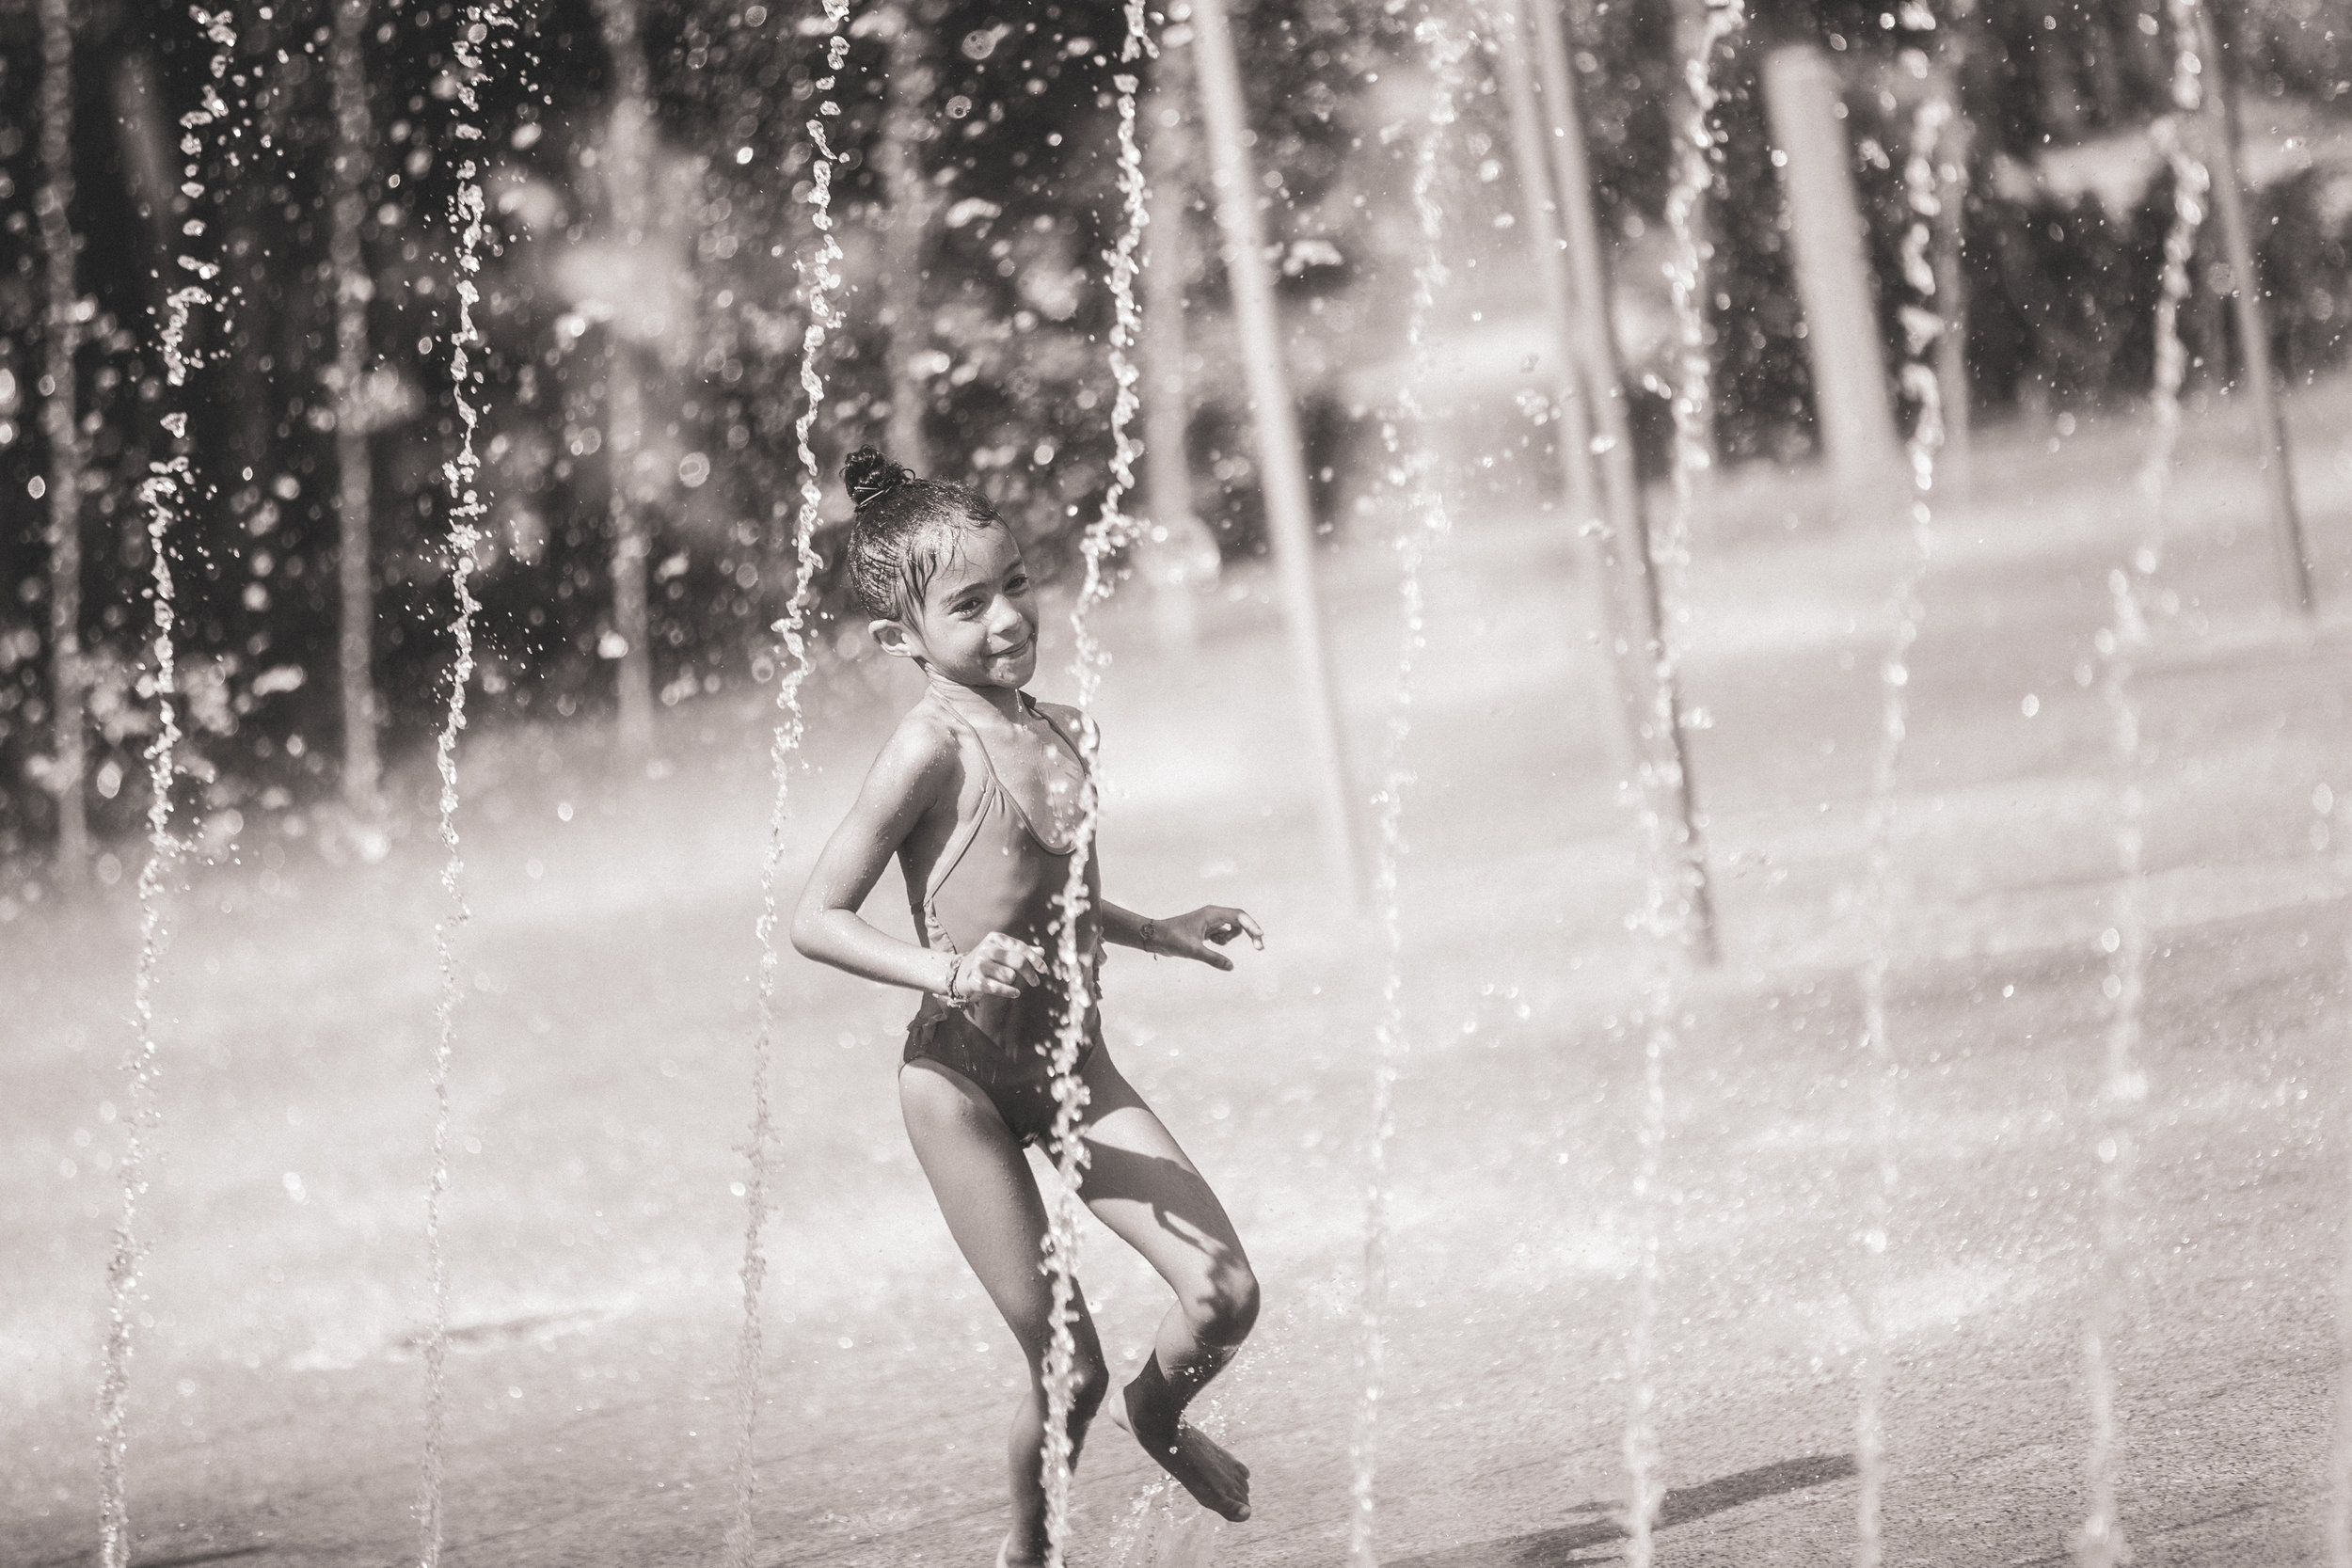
(1005, 701)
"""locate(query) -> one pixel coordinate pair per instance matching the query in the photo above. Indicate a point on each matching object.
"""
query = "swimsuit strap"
(1077, 754)
(995, 781)
(962, 839)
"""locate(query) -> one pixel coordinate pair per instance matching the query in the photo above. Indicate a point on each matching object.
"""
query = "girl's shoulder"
(922, 755)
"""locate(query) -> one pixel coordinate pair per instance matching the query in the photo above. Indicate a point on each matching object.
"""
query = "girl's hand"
(999, 966)
(1190, 936)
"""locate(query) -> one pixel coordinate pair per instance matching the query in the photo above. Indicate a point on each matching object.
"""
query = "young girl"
(976, 794)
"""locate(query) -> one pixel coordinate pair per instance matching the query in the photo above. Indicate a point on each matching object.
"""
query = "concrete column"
(1853, 409)
(1282, 470)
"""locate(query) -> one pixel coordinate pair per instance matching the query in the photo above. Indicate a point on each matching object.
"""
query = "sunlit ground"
(603, 1070)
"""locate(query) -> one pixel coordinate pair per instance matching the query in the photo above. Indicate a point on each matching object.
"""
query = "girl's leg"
(1140, 1184)
(984, 1188)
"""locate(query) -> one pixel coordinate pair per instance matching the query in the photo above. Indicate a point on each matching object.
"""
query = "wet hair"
(904, 531)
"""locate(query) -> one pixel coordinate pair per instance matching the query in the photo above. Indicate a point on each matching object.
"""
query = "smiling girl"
(977, 796)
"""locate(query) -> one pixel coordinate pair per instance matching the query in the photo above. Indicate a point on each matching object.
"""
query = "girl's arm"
(915, 771)
(1196, 936)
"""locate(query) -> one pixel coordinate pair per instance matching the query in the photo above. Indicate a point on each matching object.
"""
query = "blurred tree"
(1005, 150)
(904, 217)
(625, 165)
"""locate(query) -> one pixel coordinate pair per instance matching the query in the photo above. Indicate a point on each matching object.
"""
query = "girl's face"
(978, 622)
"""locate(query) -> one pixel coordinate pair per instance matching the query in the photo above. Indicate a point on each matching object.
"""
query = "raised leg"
(1140, 1184)
(990, 1202)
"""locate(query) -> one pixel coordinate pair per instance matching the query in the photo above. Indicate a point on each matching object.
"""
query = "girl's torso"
(1004, 861)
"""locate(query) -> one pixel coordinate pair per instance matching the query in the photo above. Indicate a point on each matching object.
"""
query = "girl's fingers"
(1224, 924)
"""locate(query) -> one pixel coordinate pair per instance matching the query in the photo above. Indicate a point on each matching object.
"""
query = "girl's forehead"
(976, 553)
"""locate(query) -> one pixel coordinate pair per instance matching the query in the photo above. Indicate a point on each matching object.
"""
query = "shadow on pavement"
(1549, 1549)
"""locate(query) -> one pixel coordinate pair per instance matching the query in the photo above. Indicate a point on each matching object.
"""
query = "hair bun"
(869, 476)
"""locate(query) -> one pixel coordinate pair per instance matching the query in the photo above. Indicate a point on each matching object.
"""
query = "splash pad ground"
(600, 1103)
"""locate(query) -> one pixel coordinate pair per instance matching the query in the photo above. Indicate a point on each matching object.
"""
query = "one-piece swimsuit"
(998, 873)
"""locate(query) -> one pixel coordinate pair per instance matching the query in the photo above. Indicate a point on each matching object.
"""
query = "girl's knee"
(1226, 1309)
(1089, 1378)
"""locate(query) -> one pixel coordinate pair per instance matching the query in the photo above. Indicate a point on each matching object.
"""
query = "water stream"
(1413, 473)
(171, 487)
(1106, 537)
(1924, 325)
(2121, 644)
(820, 280)
(473, 29)
(1676, 876)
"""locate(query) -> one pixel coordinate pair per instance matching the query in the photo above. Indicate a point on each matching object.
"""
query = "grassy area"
(603, 1061)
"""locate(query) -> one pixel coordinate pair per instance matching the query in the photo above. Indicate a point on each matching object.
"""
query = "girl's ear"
(892, 636)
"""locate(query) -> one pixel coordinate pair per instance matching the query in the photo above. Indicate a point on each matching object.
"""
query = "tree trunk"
(906, 125)
(628, 203)
(354, 174)
(61, 424)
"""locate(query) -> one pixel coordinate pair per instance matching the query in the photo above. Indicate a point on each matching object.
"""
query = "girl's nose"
(1006, 620)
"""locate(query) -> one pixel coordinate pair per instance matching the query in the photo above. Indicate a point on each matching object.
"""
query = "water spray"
(1413, 472)
(474, 27)
(168, 489)
(1924, 327)
(820, 280)
(1677, 885)
(2121, 645)
(1108, 535)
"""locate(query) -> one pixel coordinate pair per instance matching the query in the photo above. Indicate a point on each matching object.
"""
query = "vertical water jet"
(166, 491)
(1539, 208)
(1677, 889)
(1925, 327)
(821, 280)
(472, 29)
(1664, 784)
(2121, 644)
(1413, 472)
(1107, 535)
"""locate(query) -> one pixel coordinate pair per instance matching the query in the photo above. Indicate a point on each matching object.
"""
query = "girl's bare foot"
(1218, 1480)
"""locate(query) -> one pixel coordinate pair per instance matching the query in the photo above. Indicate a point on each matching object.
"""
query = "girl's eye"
(1018, 584)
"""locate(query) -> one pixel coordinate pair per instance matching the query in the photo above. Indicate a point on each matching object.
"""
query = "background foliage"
(1015, 142)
